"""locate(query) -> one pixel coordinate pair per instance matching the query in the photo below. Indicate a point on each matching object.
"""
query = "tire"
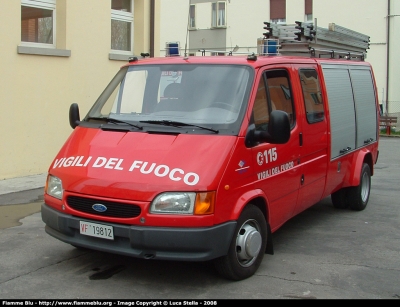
(247, 247)
(339, 199)
(358, 196)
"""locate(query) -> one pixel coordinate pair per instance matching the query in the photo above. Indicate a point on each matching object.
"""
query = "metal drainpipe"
(152, 8)
(387, 57)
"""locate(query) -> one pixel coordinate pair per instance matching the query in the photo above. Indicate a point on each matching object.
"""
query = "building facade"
(57, 52)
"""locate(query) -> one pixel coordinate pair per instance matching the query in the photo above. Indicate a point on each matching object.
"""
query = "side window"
(277, 11)
(218, 14)
(38, 22)
(261, 109)
(192, 16)
(312, 95)
(274, 93)
(121, 25)
(308, 16)
(280, 93)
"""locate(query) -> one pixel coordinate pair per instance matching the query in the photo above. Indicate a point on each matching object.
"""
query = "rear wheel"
(358, 196)
(339, 199)
(247, 248)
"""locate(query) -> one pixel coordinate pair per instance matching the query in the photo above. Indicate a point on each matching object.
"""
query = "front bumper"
(164, 243)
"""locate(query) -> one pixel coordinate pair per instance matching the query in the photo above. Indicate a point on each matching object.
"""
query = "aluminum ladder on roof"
(304, 38)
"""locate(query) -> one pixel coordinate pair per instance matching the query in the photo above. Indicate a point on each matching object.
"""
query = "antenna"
(187, 30)
(234, 49)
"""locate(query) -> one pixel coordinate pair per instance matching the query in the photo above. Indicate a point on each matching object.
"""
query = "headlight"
(54, 187)
(177, 203)
(183, 203)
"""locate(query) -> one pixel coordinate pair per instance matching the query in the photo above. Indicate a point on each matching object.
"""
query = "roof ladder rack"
(303, 38)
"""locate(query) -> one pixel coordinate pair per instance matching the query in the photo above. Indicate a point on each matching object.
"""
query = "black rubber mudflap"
(269, 249)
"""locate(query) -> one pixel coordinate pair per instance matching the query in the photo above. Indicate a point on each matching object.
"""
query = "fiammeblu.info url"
(57, 303)
(110, 303)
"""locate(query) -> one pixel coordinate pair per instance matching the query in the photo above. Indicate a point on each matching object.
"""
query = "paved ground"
(22, 183)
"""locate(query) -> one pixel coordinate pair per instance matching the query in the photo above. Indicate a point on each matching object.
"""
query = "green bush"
(392, 131)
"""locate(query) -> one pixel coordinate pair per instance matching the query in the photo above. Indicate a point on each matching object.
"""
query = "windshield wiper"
(116, 121)
(175, 124)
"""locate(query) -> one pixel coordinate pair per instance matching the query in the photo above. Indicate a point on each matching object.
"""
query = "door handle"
(344, 150)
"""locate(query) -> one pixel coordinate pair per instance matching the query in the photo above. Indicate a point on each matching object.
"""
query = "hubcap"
(365, 186)
(248, 243)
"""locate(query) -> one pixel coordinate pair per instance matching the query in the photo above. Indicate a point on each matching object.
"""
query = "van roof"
(251, 60)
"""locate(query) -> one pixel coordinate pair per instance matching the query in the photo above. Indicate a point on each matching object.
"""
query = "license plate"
(96, 230)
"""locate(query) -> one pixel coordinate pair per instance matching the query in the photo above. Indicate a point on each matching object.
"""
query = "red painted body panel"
(134, 167)
(98, 163)
(106, 165)
(343, 171)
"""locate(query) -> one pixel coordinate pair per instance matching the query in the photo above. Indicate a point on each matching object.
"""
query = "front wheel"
(247, 247)
(358, 196)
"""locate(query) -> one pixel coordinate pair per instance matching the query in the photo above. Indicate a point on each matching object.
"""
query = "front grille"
(114, 209)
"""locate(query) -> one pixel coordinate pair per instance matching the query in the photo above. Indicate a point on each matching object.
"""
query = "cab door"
(276, 167)
(313, 136)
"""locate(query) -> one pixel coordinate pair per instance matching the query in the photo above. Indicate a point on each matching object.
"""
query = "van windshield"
(211, 96)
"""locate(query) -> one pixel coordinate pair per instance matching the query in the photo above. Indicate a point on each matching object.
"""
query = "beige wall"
(243, 28)
(172, 25)
(367, 17)
(36, 91)
(394, 66)
(142, 27)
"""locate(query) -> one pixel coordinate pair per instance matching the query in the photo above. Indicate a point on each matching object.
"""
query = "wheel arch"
(361, 157)
(257, 198)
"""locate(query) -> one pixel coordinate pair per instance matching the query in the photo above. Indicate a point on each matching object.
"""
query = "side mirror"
(74, 117)
(279, 127)
(278, 130)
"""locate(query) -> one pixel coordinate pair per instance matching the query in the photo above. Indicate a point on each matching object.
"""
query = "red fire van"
(203, 158)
